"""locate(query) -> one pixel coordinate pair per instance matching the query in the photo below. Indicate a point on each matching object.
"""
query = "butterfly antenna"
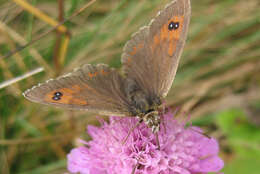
(131, 130)
(202, 133)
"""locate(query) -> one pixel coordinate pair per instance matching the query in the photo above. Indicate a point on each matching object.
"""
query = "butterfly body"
(150, 60)
(142, 105)
(140, 101)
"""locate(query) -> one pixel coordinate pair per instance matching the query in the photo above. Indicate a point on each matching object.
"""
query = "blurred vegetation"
(217, 82)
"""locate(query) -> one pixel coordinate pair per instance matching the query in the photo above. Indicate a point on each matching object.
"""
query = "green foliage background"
(217, 81)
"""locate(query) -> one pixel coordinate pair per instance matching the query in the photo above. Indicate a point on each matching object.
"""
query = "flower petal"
(212, 164)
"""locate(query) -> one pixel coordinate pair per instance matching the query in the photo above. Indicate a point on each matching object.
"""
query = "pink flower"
(183, 150)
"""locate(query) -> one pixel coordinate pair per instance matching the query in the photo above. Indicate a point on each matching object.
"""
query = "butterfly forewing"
(93, 88)
(150, 61)
(152, 55)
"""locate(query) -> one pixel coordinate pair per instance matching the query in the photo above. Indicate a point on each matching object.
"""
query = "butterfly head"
(152, 120)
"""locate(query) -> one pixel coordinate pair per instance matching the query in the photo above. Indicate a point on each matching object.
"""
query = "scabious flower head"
(182, 150)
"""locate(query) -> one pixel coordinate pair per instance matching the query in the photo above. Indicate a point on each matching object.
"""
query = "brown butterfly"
(150, 60)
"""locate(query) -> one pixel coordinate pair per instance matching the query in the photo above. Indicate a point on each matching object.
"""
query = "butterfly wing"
(93, 88)
(152, 55)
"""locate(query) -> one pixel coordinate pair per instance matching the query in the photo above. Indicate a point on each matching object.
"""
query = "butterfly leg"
(137, 165)
(163, 123)
(162, 112)
(133, 171)
(157, 140)
(131, 130)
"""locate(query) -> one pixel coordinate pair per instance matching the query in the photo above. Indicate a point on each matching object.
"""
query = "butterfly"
(149, 59)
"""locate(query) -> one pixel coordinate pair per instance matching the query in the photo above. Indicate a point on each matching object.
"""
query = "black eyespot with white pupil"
(57, 96)
(173, 25)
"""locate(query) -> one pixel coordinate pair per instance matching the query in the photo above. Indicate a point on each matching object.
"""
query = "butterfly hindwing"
(93, 88)
(152, 55)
